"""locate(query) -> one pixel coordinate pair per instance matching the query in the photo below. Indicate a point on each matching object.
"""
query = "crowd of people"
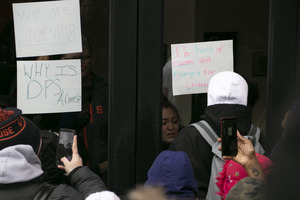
(189, 166)
(250, 174)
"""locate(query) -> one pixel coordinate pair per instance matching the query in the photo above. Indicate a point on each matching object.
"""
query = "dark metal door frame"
(135, 91)
(282, 66)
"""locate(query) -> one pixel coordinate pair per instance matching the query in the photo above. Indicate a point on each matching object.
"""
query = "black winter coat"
(83, 181)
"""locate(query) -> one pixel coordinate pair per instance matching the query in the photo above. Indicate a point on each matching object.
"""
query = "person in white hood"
(226, 97)
(21, 175)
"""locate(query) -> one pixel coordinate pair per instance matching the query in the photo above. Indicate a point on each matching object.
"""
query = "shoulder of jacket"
(67, 191)
(190, 130)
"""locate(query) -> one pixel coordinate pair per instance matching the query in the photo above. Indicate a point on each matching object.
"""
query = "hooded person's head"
(173, 171)
(16, 129)
(227, 88)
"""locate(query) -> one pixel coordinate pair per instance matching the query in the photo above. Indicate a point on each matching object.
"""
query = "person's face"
(86, 61)
(170, 125)
(87, 9)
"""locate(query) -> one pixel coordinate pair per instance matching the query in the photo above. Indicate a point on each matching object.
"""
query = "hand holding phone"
(75, 162)
(229, 136)
(247, 158)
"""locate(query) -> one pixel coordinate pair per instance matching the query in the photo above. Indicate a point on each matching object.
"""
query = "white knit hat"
(104, 195)
(227, 88)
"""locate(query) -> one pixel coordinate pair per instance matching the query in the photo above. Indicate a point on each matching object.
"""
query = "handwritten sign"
(193, 64)
(47, 28)
(49, 86)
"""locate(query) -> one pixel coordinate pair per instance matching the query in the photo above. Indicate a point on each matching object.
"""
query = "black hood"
(214, 113)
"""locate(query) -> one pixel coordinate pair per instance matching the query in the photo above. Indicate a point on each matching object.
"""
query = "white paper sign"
(49, 86)
(193, 64)
(47, 28)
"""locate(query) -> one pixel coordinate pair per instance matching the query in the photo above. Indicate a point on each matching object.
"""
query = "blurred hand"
(103, 167)
(76, 159)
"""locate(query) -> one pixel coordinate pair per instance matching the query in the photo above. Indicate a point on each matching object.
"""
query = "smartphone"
(229, 136)
(64, 144)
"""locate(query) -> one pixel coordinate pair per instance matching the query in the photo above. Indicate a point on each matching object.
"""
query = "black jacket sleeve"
(83, 181)
(86, 182)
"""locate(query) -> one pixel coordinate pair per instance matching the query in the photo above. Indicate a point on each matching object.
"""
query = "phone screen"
(229, 136)
(64, 145)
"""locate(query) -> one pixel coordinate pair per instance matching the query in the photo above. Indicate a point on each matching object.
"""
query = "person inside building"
(91, 123)
(170, 123)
